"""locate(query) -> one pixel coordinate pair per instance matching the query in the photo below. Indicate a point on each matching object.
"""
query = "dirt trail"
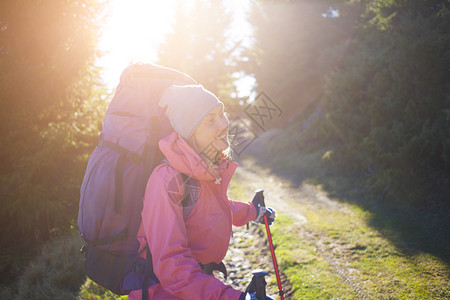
(288, 200)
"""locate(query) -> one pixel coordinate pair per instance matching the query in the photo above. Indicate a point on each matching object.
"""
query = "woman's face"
(212, 133)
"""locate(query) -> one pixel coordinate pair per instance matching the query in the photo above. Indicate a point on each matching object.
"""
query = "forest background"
(363, 86)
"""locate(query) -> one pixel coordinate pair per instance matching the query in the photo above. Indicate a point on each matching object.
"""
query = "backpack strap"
(190, 195)
(130, 155)
(148, 273)
(187, 201)
(109, 239)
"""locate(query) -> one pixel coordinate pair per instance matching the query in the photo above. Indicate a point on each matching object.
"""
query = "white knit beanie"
(186, 106)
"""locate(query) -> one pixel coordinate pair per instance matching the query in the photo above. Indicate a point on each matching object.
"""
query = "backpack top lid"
(135, 102)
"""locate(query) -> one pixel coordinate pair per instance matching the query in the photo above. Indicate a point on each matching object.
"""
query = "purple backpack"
(117, 172)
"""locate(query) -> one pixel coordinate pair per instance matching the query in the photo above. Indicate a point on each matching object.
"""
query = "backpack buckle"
(83, 249)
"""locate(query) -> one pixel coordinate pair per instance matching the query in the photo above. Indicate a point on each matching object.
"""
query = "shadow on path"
(410, 230)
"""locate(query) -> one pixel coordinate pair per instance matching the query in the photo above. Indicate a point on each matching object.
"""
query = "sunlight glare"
(132, 33)
(135, 28)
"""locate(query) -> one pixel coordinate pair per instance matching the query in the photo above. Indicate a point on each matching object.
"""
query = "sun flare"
(134, 30)
(132, 33)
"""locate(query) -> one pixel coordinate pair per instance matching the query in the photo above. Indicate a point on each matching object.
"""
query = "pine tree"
(50, 98)
(296, 47)
(382, 116)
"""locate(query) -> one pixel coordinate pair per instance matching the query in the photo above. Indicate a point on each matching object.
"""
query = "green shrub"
(56, 273)
(386, 112)
(92, 291)
(52, 100)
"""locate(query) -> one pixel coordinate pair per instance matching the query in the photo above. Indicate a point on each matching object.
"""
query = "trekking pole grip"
(258, 199)
(260, 283)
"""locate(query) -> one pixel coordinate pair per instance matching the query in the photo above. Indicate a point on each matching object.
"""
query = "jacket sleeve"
(162, 220)
(242, 212)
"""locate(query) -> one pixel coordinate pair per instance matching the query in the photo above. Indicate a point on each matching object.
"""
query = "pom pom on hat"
(186, 106)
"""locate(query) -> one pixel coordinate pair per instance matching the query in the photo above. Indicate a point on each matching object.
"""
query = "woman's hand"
(252, 296)
(265, 211)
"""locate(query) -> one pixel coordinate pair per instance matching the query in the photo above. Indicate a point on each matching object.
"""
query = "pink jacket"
(178, 244)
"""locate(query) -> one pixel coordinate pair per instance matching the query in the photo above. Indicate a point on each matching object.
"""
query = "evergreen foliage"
(382, 118)
(51, 112)
(384, 14)
(296, 48)
(387, 110)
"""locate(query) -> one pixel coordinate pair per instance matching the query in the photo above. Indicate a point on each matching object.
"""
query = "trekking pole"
(258, 284)
(259, 201)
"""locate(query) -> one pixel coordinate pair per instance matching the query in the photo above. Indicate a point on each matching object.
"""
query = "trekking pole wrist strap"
(212, 266)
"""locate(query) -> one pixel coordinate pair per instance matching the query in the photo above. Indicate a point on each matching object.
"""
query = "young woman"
(187, 241)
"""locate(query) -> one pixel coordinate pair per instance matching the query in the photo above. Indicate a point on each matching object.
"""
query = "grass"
(56, 273)
(309, 274)
(378, 249)
(367, 246)
(389, 247)
(378, 267)
(235, 191)
(92, 291)
(384, 272)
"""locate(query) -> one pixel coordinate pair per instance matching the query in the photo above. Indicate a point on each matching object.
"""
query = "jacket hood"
(186, 160)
